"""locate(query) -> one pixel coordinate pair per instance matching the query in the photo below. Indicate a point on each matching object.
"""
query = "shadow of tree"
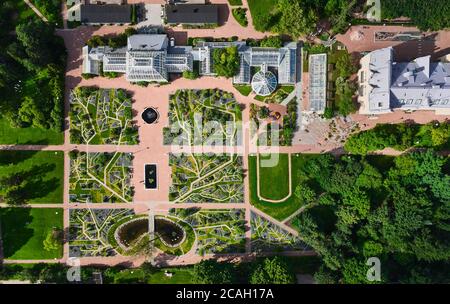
(15, 232)
(12, 157)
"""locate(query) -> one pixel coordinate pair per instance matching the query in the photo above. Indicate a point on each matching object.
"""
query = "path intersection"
(105, 179)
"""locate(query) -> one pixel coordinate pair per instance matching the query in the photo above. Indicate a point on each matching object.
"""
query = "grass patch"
(182, 275)
(24, 230)
(28, 136)
(263, 20)
(279, 211)
(235, 2)
(44, 171)
(274, 181)
(278, 95)
(245, 90)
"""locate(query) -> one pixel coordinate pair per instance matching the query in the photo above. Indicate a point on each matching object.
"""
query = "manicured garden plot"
(217, 231)
(279, 211)
(42, 173)
(101, 177)
(268, 237)
(274, 181)
(90, 231)
(24, 230)
(101, 116)
(203, 117)
(202, 178)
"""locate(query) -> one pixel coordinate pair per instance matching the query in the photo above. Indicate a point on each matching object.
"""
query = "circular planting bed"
(150, 115)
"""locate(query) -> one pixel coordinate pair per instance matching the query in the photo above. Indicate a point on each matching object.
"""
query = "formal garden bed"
(267, 127)
(101, 116)
(203, 117)
(31, 177)
(203, 178)
(101, 177)
(217, 231)
(278, 95)
(89, 232)
(24, 231)
(268, 237)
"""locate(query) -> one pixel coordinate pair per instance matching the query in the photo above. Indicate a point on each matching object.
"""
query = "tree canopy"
(226, 61)
(32, 76)
(399, 213)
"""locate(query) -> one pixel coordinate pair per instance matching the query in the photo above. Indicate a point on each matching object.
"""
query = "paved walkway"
(151, 148)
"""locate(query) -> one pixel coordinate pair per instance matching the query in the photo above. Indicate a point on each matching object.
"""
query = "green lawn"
(26, 136)
(24, 230)
(279, 211)
(243, 89)
(235, 2)
(261, 13)
(179, 276)
(274, 181)
(44, 171)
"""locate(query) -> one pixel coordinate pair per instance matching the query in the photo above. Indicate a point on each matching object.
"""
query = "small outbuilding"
(192, 14)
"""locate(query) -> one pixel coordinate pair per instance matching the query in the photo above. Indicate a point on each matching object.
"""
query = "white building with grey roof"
(282, 60)
(145, 58)
(386, 85)
(149, 57)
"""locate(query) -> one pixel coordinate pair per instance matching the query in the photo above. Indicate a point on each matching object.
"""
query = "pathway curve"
(258, 183)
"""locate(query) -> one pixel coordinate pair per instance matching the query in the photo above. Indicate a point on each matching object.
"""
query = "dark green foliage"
(240, 14)
(32, 90)
(51, 9)
(433, 15)
(396, 211)
(272, 41)
(226, 61)
(212, 272)
(272, 271)
(190, 75)
(400, 137)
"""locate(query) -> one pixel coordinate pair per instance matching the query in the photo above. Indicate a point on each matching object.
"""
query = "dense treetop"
(396, 209)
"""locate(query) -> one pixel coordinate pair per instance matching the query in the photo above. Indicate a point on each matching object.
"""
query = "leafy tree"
(272, 41)
(296, 18)
(272, 271)
(401, 216)
(212, 272)
(53, 240)
(226, 61)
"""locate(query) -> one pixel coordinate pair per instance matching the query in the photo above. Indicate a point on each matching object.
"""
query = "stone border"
(258, 189)
(116, 233)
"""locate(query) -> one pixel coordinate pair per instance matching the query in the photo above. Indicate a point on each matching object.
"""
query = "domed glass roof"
(264, 83)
